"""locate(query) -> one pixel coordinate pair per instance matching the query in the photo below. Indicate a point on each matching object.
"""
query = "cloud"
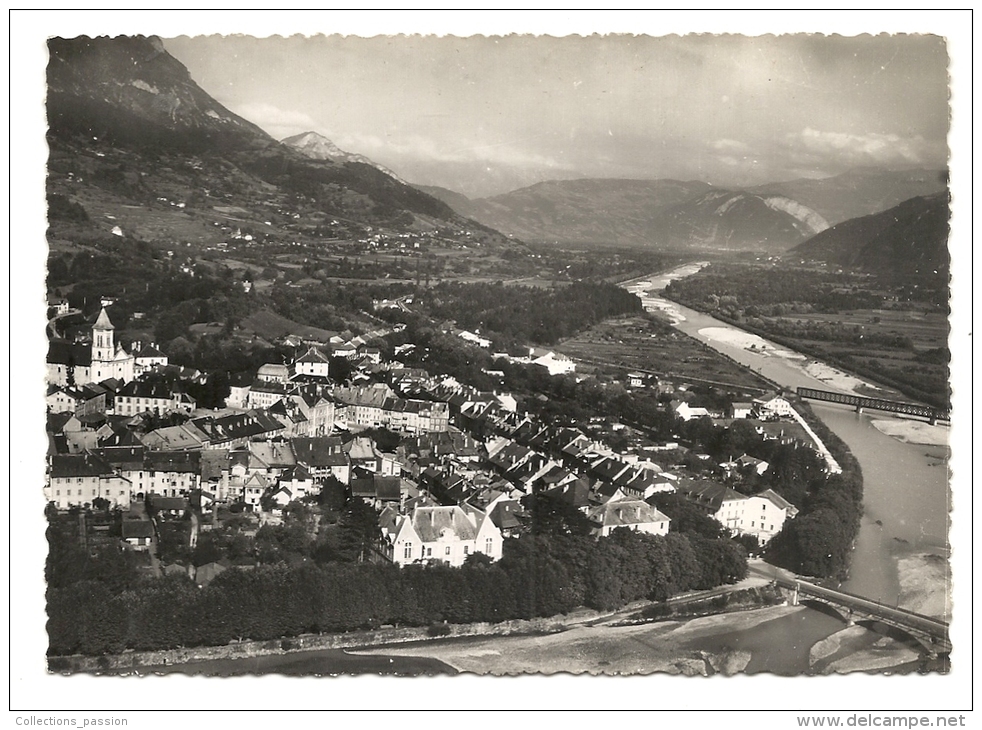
(843, 148)
(731, 146)
(419, 147)
(279, 123)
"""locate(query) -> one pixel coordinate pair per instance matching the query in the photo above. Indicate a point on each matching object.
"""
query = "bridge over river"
(860, 402)
(930, 632)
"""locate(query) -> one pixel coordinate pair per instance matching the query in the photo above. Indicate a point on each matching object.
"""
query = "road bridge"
(932, 633)
(879, 404)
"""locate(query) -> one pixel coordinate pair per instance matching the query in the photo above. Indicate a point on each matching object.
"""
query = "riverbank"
(749, 642)
(911, 431)
(925, 585)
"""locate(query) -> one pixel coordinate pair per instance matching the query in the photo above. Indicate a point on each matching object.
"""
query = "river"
(906, 485)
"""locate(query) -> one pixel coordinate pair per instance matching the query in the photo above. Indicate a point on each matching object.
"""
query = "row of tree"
(818, 542)
(538, 576)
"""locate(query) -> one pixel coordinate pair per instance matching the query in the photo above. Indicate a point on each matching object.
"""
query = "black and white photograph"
(504, 351)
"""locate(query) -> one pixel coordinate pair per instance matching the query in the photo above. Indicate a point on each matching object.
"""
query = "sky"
(483, 115)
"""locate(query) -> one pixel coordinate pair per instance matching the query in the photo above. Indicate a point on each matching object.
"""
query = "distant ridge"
(910, 239)
(858, 192)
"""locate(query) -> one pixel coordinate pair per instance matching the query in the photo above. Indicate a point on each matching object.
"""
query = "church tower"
(103, 347)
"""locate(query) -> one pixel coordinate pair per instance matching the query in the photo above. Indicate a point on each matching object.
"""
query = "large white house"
(727, 506)
(441, 534)
(634, 514)
(764, 515)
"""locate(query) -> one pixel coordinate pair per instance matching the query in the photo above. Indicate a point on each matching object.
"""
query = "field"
(894, 334)
(908, 366)
(644, 343)
(271, 326)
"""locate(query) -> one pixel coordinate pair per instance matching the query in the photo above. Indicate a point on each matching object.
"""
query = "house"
(146, 358)
(265, 393)
(298, 480)
(440, 534)
(137, 533)
(185, 437)
(59, 305)
(576, 494)
(323, 456)
(140, 396)
(686, 412)
(633, 514)
(740, 409)
(79, 479)
(772, 405)
(555, 363)
(168, 474)
(273, 373)
(253, 489)
(239, 386)
(318, 409)
(473, 338)
(313, 362)
(764, 515)
(759, 466)
(380, 491)
(168, 506)
(65, 399)
(214, 475)
(725, 505)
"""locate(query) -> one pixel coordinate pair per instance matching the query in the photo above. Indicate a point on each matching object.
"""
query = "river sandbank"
(661, 647)
(914, 432)
(721, 644)
(925, 585)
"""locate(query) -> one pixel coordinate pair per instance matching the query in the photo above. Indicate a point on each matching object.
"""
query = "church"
(81, 363)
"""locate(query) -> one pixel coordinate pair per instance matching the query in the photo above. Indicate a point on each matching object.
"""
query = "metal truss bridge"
(879, 404)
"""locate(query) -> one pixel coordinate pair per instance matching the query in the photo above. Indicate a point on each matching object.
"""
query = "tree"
(340, 369)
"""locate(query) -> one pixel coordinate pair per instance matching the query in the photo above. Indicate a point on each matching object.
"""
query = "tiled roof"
(709, 493)
(626, 512)
(431, 523)
(79, 465)
(317, 451)
(188, 462)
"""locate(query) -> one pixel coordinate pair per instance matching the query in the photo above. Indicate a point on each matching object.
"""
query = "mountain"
(660, 213)
(458, 201)
(858, 192)
(318, 147)
(129, 126)
(587, 211)
(736, 220)
(910, 239)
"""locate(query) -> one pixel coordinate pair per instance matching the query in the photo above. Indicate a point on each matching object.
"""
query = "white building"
(634, 514)
(441, 534)
(764, 515)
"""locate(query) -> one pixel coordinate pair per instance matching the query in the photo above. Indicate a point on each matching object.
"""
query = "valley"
(291, 394)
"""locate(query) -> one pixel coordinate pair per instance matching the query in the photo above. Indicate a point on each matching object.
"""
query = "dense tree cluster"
(526, 314)
(773, 292)
(538, 576)
(819, 540)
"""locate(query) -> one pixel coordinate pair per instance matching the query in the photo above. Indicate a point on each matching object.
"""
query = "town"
(444, 472)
